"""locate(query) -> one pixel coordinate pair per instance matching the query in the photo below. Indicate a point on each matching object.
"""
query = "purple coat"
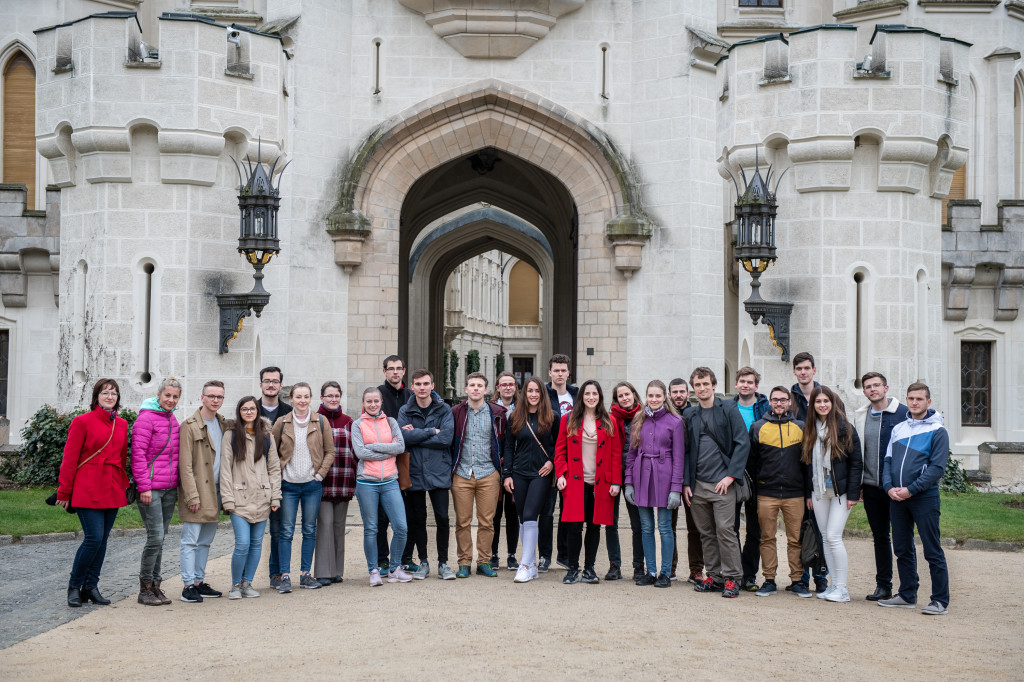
(155, 444)
(655, 466)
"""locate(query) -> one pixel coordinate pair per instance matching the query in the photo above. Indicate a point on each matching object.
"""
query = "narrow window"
(921, 306)
(760, 3)
(976, 383)
(147, 331)
(5, 348)
(957, 190)
(19, 125)
(604, 72)
(860, 327)
(78, 353)
(376, 66)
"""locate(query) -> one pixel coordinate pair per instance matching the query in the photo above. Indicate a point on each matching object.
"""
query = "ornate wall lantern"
(756, 208)
(258, 202)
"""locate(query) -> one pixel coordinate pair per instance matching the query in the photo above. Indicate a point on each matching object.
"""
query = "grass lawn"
(981, 516)
(23, 512)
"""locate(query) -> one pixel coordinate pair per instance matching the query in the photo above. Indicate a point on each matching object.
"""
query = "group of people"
(518, 453)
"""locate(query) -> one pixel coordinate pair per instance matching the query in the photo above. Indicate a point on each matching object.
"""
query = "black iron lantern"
(258, 203)
(756, 208)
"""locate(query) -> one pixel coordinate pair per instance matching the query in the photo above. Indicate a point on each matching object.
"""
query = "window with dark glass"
(5, 347)
(976, 383)
(760, 3)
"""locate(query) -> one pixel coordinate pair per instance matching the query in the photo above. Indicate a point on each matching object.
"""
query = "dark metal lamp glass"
(756, 208)
(258, 203)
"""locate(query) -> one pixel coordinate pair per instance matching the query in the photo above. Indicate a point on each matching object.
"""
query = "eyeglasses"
(506, 385)
(213, 397)
(272, 382)
(779, 401)
(248, 409)
(109, 394)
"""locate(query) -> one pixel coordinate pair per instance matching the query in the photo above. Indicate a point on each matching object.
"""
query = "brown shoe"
(160, 593)
(146, 596)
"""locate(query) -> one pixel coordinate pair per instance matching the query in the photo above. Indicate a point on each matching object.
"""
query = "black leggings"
(416, 513)
(531, 494)
(507, 503)
(574, 533)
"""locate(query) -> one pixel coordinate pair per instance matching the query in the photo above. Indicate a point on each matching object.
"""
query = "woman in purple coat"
(654, 476)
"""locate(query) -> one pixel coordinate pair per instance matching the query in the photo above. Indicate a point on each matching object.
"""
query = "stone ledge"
(6, 540)
(46, 537)
(873, 9)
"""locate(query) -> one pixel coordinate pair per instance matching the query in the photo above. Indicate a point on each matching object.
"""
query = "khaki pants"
(714, 516)
(486, 492)
(792, 509)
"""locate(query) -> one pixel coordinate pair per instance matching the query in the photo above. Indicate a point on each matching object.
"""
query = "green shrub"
(499, 365)
(453, 367)
(954, 479)
(37, 463)
(472, 361)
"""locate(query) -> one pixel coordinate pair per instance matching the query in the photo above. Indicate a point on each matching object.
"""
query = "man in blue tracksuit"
(914, 463)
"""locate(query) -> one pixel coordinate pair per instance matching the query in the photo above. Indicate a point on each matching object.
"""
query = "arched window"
(19, 125)
(523, 295)
(1018, 136)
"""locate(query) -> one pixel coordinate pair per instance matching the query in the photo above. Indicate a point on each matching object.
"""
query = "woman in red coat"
(588, 466)
(93, 479)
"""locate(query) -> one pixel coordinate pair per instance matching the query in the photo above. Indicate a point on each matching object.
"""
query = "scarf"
(821, 462)
(624, 417)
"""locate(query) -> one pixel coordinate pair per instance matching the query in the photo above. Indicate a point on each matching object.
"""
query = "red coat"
(569, 463)
(101, 482)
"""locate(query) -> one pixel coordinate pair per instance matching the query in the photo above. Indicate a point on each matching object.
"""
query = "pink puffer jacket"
(155, 449)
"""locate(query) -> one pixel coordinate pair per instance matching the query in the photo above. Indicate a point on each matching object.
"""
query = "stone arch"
(608, 229)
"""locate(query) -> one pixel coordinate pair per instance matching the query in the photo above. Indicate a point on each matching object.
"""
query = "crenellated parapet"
(818, 90)
(197, 83)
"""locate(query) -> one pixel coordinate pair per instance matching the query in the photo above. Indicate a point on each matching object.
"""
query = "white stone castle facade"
(433, 145)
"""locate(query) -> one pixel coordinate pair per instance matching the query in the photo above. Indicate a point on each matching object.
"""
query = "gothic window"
(19, 125)
(975, 383)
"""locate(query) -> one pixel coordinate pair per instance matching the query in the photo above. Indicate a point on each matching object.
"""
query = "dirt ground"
(493, 628)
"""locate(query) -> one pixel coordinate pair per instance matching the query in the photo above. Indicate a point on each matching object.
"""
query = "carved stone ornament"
(476, 28)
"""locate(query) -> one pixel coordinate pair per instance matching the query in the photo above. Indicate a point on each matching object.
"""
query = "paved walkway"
(34, 578)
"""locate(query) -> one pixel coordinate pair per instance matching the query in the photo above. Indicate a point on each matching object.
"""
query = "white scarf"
(821, 464)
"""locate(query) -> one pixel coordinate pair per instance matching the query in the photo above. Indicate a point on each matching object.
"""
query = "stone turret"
(138, 132)
(871, 135)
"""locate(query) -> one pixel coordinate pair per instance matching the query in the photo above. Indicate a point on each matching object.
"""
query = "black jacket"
(730, 432)
(800, 401)
(776, 444)
(283, 408)
(523, 456)
(847, 471)
(430, 455)
(572, 389)
(392, 400)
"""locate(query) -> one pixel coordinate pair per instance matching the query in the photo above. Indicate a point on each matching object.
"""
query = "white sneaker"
(399, 575)
(248, 591)
(235, 592)
(522, 574)
(445, 573)
(837, 594)
(533, 571)
(824, 595)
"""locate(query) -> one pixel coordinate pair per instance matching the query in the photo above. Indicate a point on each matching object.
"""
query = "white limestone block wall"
(870, 157)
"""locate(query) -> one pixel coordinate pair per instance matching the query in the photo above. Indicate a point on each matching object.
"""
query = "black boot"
(614, 573)
(881, 592)
(74, 597)
(93, 594)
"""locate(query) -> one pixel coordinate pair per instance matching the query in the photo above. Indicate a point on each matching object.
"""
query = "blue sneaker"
(800, 590)
(485, 569)
(767, 589)
(463, 572)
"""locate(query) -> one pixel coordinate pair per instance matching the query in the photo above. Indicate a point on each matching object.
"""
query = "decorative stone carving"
(348, 230)
(628, 234)
(476, 28)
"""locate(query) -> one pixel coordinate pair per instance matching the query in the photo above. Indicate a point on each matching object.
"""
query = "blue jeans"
(923, 512)
(274, 523)
(248, 547)
(195, 550)
(96, 524)
(668, 543)
(388, 496)
(292, 495)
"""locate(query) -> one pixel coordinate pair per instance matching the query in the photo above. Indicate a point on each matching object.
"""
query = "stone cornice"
(876, 9)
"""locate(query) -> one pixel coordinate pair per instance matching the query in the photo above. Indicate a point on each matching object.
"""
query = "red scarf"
(624, 416)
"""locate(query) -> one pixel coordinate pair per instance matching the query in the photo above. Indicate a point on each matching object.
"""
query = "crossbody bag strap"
(109, 438)
(536, 439)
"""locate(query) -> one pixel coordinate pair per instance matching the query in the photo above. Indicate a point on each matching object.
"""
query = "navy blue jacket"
(800, 401)
(430, 456)
(572, 389)
(917, 455)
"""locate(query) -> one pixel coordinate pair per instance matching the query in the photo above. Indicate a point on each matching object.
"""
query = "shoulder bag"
(52, 499)
(745, 489)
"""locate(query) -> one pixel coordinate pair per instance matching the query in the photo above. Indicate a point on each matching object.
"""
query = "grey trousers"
(157, 517)
(329, 555)
(714, 515)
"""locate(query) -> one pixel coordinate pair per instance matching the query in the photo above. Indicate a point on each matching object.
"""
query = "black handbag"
(810, 546)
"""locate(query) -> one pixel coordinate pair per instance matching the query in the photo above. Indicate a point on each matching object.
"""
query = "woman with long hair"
(588, 465)
(626, 404)
(831, 452)
(376, 441)
(506, 394)
(250, 488)
(339, 487)
(654, 477)
(93, 478)
(527, 466)
(155, 469)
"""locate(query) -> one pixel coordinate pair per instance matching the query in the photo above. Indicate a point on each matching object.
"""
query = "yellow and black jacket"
(775, 445)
